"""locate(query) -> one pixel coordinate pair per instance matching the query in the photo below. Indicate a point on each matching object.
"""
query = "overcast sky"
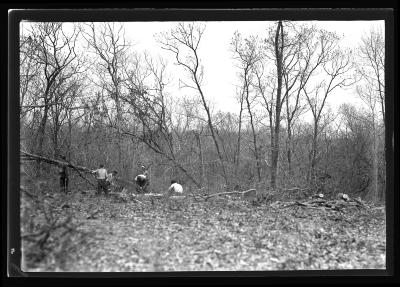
(220, 72)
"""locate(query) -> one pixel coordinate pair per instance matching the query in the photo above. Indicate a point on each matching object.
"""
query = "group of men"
(105, 180)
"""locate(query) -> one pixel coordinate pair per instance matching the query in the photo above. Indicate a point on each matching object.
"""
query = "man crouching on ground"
(175, 188)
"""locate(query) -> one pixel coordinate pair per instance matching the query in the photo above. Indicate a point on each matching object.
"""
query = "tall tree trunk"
(313, 152)
(256, 154)
(69, 134)
(201, 159)
(275, 147)
(272, 140)
(88, 120)
(55, 142)
(211, 126)
(375, 172)
(289, 148)
(41, 134)
(118, 123)
(56, 125)
(42, 130)
(237, 158)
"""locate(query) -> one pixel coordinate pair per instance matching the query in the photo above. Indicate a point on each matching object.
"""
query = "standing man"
(101, 176)
(63, 176)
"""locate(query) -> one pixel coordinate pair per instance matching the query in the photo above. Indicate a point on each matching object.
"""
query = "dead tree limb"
(229, 192)
(55, 162)
(80, 174)
(78, 169)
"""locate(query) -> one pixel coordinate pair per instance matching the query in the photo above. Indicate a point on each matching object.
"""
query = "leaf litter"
(224, 235)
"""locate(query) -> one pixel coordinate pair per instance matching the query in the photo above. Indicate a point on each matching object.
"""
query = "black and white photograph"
(169, 146)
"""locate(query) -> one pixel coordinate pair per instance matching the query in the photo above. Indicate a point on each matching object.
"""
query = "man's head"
(63, 157)
(173, 181)
(115, 172)
(101, 165)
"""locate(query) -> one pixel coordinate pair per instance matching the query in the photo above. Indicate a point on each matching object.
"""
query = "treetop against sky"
(221, 82)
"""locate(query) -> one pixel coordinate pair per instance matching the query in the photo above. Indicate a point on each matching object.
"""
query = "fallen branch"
(150, 195)
(28, 156)
(294, 189)
(55, 162)
(229, 192)
(300, 203)
(79, 173)
(360, 203)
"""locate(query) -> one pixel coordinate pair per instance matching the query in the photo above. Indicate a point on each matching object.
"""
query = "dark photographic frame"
(13, 163)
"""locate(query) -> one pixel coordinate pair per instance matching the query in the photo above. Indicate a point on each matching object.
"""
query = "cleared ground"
(217, 234)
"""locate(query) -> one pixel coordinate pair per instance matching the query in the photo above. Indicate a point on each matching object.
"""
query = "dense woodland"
(87, 94)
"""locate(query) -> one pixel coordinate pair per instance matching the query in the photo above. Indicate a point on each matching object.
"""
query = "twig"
(138, 201)
(93, 214)
(289, 205)
(28, 193)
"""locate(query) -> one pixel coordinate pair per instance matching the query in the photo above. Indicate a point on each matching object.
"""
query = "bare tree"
(265, 86)
(371, 52)
(147, 104)
(278, 45)
(247, 53)
(183, 41)
(300, 61)
(239, 137)
(29, 75)
(54, 51)
(336, 69)
(108, 42)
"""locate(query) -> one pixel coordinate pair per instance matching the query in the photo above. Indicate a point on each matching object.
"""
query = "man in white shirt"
(175, 188)
(101, 176)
